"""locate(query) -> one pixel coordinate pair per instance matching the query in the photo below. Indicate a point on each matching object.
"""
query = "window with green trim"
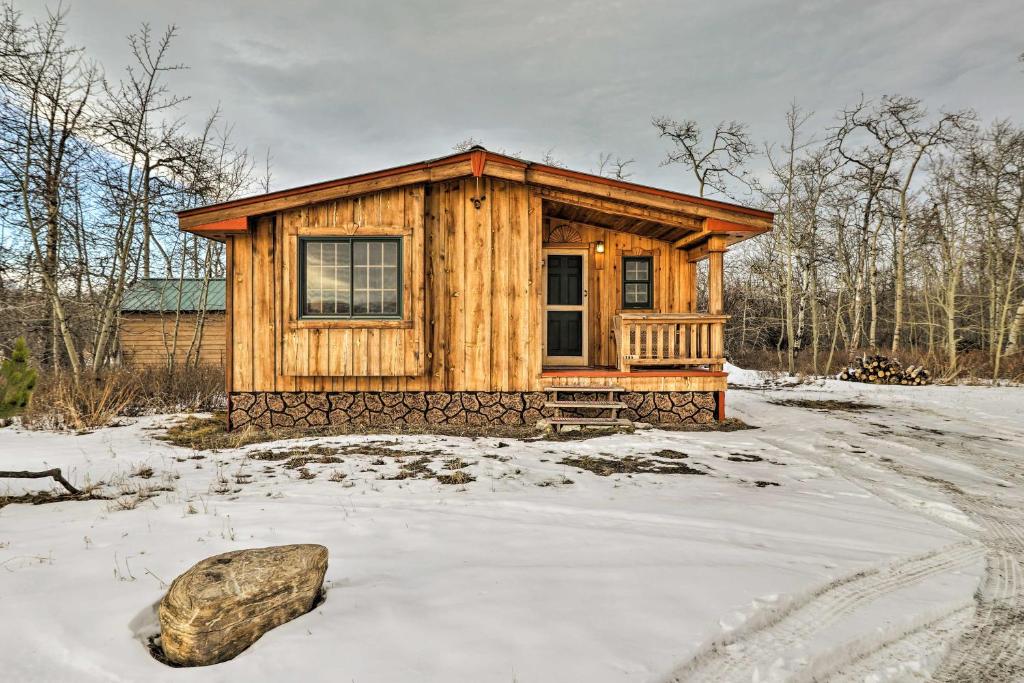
(637, 282)
(352, 277)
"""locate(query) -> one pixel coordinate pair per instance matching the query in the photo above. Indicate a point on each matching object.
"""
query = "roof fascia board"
(201, 220)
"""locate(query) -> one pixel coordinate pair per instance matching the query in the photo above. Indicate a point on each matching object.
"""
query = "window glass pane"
(390, 277)
(638, 270)
(631, 293)
(359, 302)
(327, 277)
(636, 293)
(391, 253)
(375, 277)
(314, 274)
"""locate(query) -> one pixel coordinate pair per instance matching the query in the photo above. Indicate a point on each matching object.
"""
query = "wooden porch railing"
(670, 339)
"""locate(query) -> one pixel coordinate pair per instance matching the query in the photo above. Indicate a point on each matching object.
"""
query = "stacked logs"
(882, 370)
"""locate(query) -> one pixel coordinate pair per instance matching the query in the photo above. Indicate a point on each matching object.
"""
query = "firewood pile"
(882, 370)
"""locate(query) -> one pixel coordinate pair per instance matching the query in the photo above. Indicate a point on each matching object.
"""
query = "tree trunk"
(1013, 337)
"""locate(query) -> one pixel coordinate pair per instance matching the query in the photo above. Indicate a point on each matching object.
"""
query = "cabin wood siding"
(471, 295)
(146, 338)
(472, 287)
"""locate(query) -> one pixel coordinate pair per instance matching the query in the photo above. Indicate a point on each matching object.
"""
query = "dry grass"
(59, 402)
(95, 400)
(202, 433)
(825, 404)
(414, 469)
(210, 433)
(605, 465)
(730, 424)
(456, 478)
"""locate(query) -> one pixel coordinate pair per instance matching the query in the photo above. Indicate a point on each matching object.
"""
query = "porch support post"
(688, 276)
(716, 275)
(716, 285)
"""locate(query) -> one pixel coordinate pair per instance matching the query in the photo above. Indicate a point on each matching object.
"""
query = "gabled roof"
(687, 213)
(160, 295)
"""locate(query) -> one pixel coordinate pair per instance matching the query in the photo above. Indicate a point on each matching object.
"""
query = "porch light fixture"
(599, 247)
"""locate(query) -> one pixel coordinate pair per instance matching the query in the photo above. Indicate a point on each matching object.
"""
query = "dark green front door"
(565, 308)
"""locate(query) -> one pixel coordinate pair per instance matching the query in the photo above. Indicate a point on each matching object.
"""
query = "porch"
(620, 299)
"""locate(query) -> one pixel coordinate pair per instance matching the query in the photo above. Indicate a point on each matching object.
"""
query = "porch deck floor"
(610, 371)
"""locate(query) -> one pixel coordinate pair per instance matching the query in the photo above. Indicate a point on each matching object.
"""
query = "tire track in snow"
(992, 647)
(752, 653)
(899, 656)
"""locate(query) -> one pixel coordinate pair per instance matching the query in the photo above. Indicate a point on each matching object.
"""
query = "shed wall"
(146, 338)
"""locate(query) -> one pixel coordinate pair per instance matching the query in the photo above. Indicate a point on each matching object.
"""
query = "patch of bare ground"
(210, 433)
(604, 465)
(825, 404)
(414, 469)
(744, 457)
(455, 478)
(730, 424)
(301, 461)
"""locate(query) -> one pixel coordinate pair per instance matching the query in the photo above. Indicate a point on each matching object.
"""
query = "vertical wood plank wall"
(472, 293)
(146, 338)
(472, 286)
(674, 290)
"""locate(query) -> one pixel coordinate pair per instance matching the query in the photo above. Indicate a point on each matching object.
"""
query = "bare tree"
(47, 87)
(711, 163)
(913, 137)
(612, 166)
(130, 131)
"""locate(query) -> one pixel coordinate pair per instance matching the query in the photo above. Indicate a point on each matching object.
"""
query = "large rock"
(223, 604)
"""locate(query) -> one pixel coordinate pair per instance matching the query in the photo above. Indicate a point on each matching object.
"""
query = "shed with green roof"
(179, 318)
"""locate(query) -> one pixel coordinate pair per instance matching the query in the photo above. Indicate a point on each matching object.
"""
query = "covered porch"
(620, 295)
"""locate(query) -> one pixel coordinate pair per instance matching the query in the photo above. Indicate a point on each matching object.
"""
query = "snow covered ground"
(879, 544)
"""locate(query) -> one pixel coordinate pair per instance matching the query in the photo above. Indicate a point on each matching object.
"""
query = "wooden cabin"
(474, 288)
(179, 318)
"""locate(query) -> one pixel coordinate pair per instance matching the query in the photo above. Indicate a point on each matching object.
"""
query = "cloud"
(339, 88)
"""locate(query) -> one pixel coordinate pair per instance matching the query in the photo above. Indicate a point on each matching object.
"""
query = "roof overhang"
(688, 216)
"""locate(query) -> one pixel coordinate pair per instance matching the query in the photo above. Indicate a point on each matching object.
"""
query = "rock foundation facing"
(264, 409)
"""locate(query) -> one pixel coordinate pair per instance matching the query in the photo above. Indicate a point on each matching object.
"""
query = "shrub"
(18, 380)
(96, 399)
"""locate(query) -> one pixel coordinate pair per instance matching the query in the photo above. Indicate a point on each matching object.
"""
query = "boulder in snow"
(223, 604)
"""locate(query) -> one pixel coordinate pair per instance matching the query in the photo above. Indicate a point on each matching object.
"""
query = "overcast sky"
(336, 88)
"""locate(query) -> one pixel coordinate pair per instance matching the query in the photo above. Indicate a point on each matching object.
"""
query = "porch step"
(587, 390)
(557, 422)
(603, 405)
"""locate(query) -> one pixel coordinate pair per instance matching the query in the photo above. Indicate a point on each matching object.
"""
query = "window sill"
(349, 324)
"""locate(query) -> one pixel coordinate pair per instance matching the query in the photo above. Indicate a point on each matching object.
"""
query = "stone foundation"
(265, 409)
